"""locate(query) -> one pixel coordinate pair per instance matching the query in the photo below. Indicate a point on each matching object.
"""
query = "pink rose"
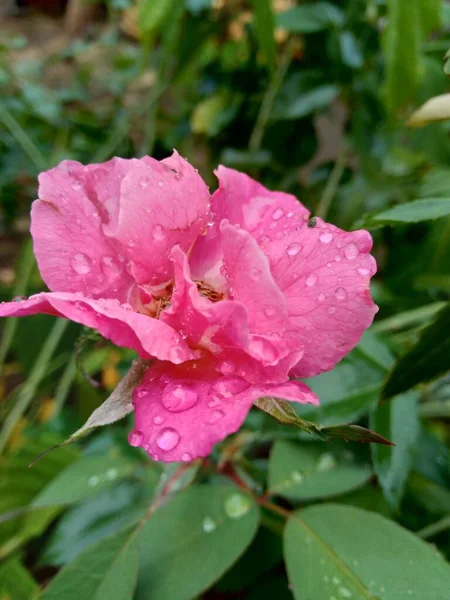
(231, 294)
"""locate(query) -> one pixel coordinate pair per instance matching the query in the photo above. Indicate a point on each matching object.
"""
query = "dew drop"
(326, 462)
(227, 367)
(363, 271)
(321, 297)
(340, 293)
(237, 505)
(269, 311)
(277, 214)
(311, 280)
(325, 236)
(111, 474)
(18, 298)
(255, 274)
(214, 402)
(338, 258)
(409, 592)
(186, 457)
(215, 416)
(76, 184)
(208, 525)
(93, 480)
(135, 438)
(158, 420)
(326, 578)
(110, 267)
(182, 334)
(144, 182)
(176, 355)
(294, 249)
(81, 263)
(290, 214)
(344, 592)
(158, 232)
(178, 398)
(296, 477)
(351, 251)
(336, 580)
(168, 438)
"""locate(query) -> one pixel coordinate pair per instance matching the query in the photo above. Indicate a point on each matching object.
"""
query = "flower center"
(152, 301)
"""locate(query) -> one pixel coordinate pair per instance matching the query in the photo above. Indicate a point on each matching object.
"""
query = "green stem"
(332, 184)
(22, 138)
(434, 528)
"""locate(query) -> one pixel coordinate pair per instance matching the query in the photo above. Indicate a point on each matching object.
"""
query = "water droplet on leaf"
(237, 505)
(135, 438)
(208, 525)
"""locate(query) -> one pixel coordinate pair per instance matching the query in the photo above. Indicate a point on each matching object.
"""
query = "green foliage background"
(311, 98)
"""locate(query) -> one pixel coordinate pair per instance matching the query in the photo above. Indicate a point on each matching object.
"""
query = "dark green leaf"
(264, 28)
(16, 583)
(411, 212)
(398, 420)
(310, 18)
(426, 360)
(308, 102)
(191, 541)
(355, 433)
(303, 472)
(103, 571)
(343, 552)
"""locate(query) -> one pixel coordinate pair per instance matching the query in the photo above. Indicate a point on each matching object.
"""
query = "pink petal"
(149, 337)
(76, 203)
(162, 204)
(325, 274)
(245, 202)
(181, 412)
(222, 329)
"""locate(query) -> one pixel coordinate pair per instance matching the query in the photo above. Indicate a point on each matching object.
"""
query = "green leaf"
(398, 420)
(343, 552)
(83, 478)
(152, 15)
(303, 472)
(426, 360)
(308, 102)
(402, 53)
(283, 412)
(410, 212)
(434, 109)
(430, 15)
(106, 570)
(355, 433)
(264, 29)
(311, 18)
(16, 583)
(191, 541)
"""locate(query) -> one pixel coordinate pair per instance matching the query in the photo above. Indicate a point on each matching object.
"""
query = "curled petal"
(325, 273)
(150, 338)
(245, 202)
(222, 329)
(162, 204)
(76, 203)
(181, 412)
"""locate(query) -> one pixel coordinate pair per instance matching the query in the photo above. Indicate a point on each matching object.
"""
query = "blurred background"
(312, 98)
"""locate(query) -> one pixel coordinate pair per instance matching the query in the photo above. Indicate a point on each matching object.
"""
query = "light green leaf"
(434, 109)
(83, 478)
(310, 18)
(411, 212)
(103, 571)
(152, 15)
(303, 472)
(16, 583)
(264, 29)
(308, 102)
(402, 53)
(344, 552)
(397, 420)
(426, 360)
(191, 541)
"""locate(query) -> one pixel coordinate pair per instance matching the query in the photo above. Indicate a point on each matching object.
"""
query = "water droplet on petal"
(158, 232)
(186, 457)
(110, 267)
(158, 420)
(277, 214)
(168, 438)
(311, 280)
(144, 182)
(255, 274)
(81, 263)
(340, 293)
(76, 184)
(351, 251)
(294, 249)
(215, 401)
(176, 355)
(331, 310)
(161, 183)
(135, 438)
(290, 214)
(182, 334)
(208, 525)
(141, 392)
(237, 505)
(269, 311)
(227, 367)
(363, 271)
(179, 398)
(325, 236)
(321, 297)
(18, 298)
(215, 416)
